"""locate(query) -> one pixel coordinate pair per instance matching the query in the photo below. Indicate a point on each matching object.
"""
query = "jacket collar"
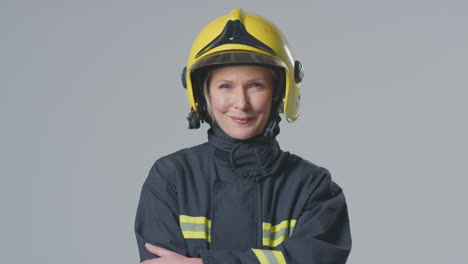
(256, 157)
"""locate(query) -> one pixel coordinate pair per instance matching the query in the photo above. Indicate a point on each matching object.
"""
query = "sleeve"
(321, 235)
(156, 220)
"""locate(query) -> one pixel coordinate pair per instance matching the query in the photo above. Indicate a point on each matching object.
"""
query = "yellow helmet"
(241, 37)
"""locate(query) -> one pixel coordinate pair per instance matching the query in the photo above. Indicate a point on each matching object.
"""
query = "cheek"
(262, 103)
(219, 102)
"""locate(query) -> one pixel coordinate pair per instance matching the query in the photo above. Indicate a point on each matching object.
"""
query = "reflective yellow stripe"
(269, 256)
(195, 227)
(279, 256)
(283, 224)
(261, 256)
(196, 235)
(195, 220)
(273, 235)
(273, 243)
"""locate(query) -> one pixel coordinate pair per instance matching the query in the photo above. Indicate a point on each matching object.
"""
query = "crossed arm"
(168, 257)
(321, 235)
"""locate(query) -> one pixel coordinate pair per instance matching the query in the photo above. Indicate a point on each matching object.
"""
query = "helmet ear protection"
(184, 73)
(193, 120)
(298, 72)
(241, 38)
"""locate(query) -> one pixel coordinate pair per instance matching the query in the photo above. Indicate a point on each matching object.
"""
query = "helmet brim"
(236, 57)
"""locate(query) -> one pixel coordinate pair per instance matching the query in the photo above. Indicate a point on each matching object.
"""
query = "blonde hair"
(206, 94)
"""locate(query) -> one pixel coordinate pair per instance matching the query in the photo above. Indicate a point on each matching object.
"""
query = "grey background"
(91, 96)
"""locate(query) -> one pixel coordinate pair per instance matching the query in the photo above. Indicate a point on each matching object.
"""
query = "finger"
(150, 261)
(159, 251)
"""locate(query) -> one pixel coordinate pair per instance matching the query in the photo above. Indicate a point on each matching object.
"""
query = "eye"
(225, 86)
(256, 85)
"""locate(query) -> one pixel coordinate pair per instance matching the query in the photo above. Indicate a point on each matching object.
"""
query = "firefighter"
(239, 198)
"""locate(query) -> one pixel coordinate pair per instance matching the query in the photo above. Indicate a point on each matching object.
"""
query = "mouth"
(241, 120)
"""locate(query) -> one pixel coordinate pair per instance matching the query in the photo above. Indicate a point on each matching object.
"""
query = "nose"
(242, 100)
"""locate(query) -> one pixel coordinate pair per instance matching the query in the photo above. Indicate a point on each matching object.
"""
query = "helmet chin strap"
(276, 103)
(271, 125)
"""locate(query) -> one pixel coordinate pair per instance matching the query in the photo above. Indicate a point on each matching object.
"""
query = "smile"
(241, 120)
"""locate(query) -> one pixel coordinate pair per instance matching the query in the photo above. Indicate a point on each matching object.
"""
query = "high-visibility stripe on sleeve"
(196, 235)
(261, 256)
(195, 220)
(273, 243)
(279, 256)
(195, 227)
(273, 235)
(283, 224)
(269, 256)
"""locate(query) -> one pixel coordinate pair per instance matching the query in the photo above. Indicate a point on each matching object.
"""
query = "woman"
(239, 198)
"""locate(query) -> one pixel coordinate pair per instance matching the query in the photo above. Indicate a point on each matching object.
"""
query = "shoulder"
(316, 179)
(167, 166)
(182, 155)
(308, 174)
(300, 166)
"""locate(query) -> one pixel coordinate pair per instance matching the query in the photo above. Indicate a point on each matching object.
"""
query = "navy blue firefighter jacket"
(230, 201)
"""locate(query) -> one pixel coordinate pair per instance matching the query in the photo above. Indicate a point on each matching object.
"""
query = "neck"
(255, 157)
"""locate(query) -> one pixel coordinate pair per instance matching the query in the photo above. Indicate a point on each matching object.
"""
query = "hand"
(168, 257)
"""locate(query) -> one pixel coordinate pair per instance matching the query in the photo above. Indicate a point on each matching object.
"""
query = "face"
(241, 99)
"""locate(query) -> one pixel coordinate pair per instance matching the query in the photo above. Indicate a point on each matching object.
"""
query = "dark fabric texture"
(239, 185)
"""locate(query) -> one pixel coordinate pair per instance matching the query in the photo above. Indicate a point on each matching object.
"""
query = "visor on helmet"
(236, 57)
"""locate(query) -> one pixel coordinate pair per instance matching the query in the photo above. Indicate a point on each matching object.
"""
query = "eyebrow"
(249, 80)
